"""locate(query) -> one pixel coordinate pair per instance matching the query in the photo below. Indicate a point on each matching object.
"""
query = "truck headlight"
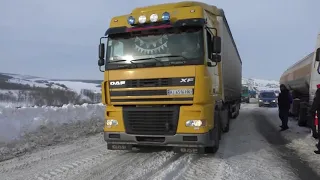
(111, 122)
(195, 123)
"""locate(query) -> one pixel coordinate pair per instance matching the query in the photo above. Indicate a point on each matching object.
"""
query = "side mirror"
(216, 44)
(318, 54)
(101, 51)
(100, 62)
(216, 58)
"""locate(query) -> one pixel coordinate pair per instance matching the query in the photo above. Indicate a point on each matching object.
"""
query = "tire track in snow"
(174, 166)
(203, 168)
(274, 137)
(29, 160)
(43, 166)
(70, 169)
(70, 163)
(111, 167)
(172, 159)
(25, 164)
(137, 167)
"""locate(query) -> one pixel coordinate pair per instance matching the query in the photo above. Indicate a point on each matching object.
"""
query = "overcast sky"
(59, 39)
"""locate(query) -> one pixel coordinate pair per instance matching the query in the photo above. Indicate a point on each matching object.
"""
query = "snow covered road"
(253, 149)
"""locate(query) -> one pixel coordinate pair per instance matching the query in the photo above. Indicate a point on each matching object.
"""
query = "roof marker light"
(166, 16)
(131, 20)
(154, 18)
(142, 19)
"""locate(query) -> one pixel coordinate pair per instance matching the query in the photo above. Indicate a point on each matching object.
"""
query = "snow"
(44, 82)
(86, 91)
(78, 86)
(46, 125)
(244, 153)
(260, 84)
(300, 139)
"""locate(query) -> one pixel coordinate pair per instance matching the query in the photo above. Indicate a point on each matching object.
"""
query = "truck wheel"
(226, 114)
(216, 133)
(237, 113)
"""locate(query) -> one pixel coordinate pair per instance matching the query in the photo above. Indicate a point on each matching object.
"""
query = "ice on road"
(251, 150)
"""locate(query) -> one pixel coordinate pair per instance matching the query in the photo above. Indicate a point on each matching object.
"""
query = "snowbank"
(78, 86)
(25, 128)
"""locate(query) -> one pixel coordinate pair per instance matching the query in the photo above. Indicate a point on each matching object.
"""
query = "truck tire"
(237, 113)
(216, 134)
(226, 114)
(248, 100)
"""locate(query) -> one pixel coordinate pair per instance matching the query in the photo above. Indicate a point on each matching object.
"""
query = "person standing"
(316, 107)
(284, 102)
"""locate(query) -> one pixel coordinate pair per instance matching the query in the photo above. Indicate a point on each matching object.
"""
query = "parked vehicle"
(245, 96)
(268, 98)
(302, 79)
(172, 77)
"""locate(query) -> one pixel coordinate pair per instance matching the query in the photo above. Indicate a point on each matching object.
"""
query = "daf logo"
(117, 83)
(185, 80)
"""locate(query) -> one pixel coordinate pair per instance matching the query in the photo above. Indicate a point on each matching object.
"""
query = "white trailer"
(302, 79)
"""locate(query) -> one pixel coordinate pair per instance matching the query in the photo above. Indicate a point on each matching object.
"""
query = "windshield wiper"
(119, 60)
(143, 59)
(169, 56)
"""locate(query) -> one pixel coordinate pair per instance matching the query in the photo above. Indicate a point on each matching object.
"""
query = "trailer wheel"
(237, 113)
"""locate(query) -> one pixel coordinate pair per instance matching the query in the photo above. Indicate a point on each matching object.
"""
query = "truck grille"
(158, 82)
(151, 120)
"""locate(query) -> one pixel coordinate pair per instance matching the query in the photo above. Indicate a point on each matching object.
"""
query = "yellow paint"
(114, 113)
(154, 72)
(152, 88)
(150, 97)
(176, 14)
(202, 107)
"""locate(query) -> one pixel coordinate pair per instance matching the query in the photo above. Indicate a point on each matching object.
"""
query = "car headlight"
(111, 122)
(260, 100)
(273, 100)
(195, 123)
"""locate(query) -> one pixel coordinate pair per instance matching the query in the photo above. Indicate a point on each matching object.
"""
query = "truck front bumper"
(177, 140)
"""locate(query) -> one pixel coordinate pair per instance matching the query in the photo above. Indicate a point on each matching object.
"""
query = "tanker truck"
(302, 79)
(172, 77)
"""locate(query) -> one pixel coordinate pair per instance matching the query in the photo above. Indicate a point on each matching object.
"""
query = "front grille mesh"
(151, 121)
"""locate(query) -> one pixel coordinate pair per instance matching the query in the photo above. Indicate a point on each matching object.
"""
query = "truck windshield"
(268, 95)
(164, 47)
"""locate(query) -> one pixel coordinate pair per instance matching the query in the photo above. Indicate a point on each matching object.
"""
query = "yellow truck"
(172, 77)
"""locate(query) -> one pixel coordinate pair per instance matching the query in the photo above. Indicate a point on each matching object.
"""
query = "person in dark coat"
(316, 107)
(284, 102)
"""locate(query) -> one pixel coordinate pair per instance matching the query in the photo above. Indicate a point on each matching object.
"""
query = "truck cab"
(245, 96)
(165, 81)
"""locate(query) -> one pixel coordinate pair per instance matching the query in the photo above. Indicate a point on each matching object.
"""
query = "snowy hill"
(260, 84)
(16, 88)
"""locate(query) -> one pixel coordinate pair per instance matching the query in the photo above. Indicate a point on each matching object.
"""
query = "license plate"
(266, 103)
(119, 147)
(180, 92)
